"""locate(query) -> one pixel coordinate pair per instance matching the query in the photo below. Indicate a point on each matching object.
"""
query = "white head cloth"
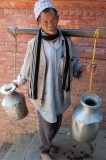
(41, 5)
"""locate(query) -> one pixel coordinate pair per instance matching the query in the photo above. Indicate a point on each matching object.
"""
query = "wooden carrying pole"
(68, 32)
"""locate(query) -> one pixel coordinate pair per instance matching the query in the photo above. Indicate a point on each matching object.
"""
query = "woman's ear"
(37, 23)
(58, 17)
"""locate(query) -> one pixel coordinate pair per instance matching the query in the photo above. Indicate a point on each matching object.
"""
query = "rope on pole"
(96, 36)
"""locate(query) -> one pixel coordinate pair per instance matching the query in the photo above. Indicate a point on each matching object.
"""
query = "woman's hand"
(88, 68)
(91, 67)
(16, 83)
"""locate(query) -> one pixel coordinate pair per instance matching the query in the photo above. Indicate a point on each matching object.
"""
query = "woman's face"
(48, 22)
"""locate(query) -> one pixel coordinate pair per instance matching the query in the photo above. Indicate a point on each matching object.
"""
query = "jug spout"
(91, 101)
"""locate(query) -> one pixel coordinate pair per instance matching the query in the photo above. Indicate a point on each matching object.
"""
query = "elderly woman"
(50, 62)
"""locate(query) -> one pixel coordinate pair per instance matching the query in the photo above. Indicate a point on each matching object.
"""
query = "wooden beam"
(68, 32)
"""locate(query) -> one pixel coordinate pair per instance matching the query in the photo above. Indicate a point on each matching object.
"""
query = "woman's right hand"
(16, 83)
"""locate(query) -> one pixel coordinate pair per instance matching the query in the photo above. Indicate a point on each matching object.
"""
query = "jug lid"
(8, 88)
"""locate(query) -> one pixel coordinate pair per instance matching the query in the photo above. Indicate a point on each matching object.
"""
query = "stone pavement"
(69, 149)
(73, 150)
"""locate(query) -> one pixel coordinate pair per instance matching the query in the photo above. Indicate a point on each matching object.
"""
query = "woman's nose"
(50, 24)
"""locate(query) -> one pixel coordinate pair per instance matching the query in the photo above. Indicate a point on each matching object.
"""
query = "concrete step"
(32, 152)
(4, 148)
(17, 150)
(27, 147)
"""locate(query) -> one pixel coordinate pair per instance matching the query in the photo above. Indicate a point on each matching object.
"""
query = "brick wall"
(73, 14)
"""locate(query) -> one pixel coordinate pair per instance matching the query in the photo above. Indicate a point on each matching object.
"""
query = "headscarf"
(41, 5)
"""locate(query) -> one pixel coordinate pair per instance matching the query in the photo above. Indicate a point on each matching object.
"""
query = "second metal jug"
(86, 118)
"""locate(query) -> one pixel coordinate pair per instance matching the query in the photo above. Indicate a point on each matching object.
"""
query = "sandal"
(54, 148)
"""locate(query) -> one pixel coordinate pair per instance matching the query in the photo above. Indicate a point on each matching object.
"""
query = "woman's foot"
(54, 149)
(45, 156)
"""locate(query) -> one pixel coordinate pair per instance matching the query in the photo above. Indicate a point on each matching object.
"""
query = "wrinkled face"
(48, 22)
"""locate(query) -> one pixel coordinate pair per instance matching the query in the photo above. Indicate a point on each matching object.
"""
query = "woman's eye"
(45, 22)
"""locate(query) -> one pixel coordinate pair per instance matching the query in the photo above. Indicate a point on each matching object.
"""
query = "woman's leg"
(47, 132)
(57, 125)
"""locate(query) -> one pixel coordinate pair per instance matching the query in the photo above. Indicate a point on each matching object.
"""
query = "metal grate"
(4, 149)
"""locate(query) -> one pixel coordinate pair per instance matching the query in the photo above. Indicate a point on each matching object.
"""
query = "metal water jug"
(86, 118)
(13, 102)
